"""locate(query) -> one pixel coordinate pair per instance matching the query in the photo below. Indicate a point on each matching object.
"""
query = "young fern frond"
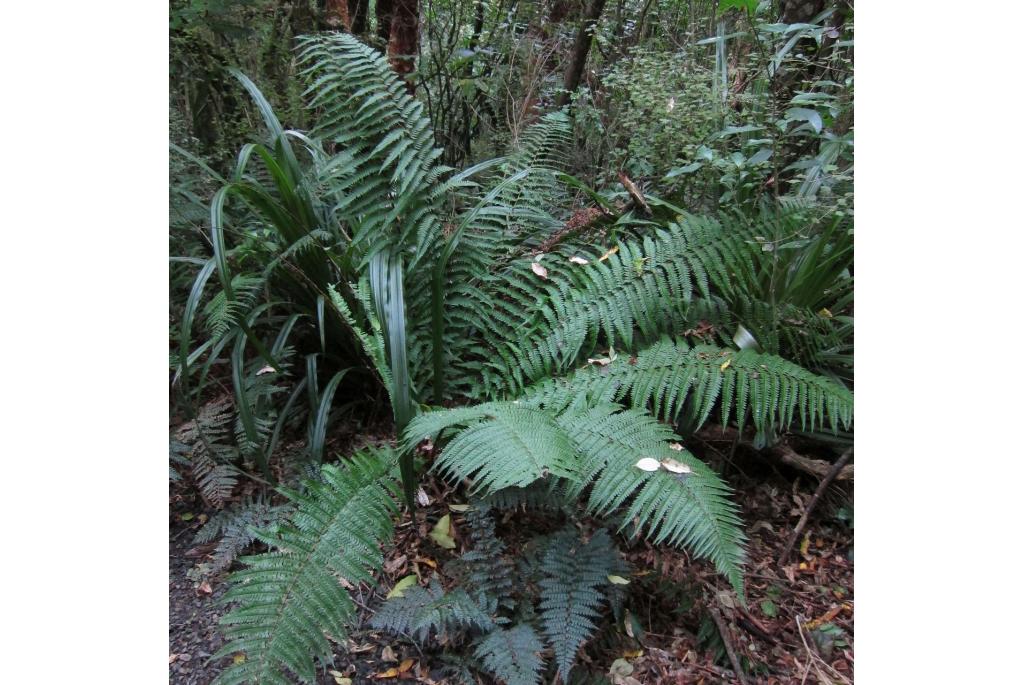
(290, 599)
(512, 655)
(573, 587)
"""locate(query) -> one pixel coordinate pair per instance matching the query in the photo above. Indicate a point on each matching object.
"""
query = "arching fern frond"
(690, 508)
(642, 289)
(384, 184)
(503, 445)
(290, 599)
(775, 393)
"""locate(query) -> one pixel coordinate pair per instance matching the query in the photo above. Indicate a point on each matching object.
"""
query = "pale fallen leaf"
(422, 497)
(602, 361)
(578, 260)
(725, 364)
(205, 588)
(676, 446)
(826, 313)
(266, 369)
(671, 104)
(388, 654)
(442, 533)
(539, 270)
(390, 673)
(340, 679)
(184, 657)
(172, 658)
(633, 654)
(460, 508)
(648, 464)
(675, 466)
(401, 586)
(405, 665)
(609, 253)
(618, 580)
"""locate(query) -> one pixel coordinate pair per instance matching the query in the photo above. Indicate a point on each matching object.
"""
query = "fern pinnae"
(289, 600)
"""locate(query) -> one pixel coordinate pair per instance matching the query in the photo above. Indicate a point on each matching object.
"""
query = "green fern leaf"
(575, 578)
(290, 599)
(512, 655)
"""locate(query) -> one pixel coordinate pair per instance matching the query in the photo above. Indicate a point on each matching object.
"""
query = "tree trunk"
(336, 15)
(358, 10)
(404, 42)
(584, 37)
(384, 9)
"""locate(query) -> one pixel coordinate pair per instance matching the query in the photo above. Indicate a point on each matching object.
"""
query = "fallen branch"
(822, 487)
(634, 192)
(723, 630)
(784, 453)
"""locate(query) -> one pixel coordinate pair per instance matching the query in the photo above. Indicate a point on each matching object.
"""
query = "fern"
(205, 439)
(289, 600)
(421, 611)
(572, 592)
(490, 571)
(595, 449)
(505, 445)
(512, 655)
(690, 508)
(236, 529)
(773, 392)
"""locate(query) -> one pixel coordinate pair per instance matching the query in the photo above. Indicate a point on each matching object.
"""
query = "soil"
(796, 627)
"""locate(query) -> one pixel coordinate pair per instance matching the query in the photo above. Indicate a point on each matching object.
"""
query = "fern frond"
(490, 571)
(504, 445)
(236, 529)
(573, 591)
(289, 600)
(691, 508)
(512, 655)
(775, 393)
(421, 611)
(384, 185)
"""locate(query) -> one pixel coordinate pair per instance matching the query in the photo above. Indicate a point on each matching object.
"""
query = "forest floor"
(797, 625)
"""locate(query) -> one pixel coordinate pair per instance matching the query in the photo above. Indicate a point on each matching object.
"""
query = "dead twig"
(723, 630)
(822, 487)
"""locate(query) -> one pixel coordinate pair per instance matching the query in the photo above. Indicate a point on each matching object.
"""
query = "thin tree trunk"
(359, 11)
(384, 10)
(584, 37)
(404, 43)
(336, 15)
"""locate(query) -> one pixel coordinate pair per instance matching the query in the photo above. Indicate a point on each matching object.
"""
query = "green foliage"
(654, 109)
(559, 594)
(574, 574)
(601, 447)
(204, 443)
(290, 599)
(422, 611)
(512, 654)
(235, 529)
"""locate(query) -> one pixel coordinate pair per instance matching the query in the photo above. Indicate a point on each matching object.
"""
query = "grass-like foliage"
(290, 599)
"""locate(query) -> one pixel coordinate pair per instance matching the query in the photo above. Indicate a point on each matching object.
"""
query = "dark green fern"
(512, 655)
(289, 600)
(573, 591)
